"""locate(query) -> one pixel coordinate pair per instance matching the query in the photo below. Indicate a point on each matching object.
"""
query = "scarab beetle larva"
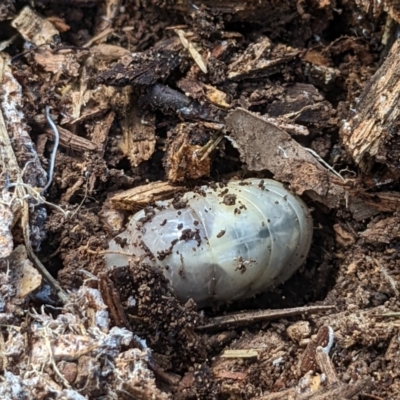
(227, 243)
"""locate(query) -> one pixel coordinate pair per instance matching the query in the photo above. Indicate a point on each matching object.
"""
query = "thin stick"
(262, 315)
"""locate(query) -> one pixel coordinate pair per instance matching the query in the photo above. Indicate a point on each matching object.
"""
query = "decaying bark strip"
(371, 134)
(138, 139)
(71, 141)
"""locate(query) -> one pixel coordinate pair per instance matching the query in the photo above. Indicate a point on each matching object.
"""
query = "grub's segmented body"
(228, 243)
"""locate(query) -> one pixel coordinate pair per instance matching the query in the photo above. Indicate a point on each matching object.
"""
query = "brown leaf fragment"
(263, 145)
(368, 135)
(34, 28)
(141, 196)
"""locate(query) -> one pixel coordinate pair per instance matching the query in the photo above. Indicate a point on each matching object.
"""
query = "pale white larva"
(227, 243)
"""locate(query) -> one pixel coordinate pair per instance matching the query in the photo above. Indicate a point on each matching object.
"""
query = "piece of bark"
(71, 141)
(147, 67)
(99, 130)
(308, 360)
(377, 7)
(138, 138)
(269, 12)
(141, 196)
(60, 63)
(34, 28)
(11, 103)
(369, 135)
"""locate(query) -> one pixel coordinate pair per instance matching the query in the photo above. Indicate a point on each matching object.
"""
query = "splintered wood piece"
(247, 318)
(260, 59)
(58, 63)
(369, 135)
(34, 28)
(326, 366)
(377, 7)
(140, 196)
(71, 141)
(100, 130)
(138, 140)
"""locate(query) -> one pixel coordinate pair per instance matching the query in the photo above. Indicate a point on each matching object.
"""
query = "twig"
(263, 315)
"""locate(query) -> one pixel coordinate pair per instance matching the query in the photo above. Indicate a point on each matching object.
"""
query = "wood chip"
(141, 196)
(34, 28)
(139, 140)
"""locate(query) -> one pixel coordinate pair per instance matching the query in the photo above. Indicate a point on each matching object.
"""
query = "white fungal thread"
(331, 338)
(234, 241)
(283, 152)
